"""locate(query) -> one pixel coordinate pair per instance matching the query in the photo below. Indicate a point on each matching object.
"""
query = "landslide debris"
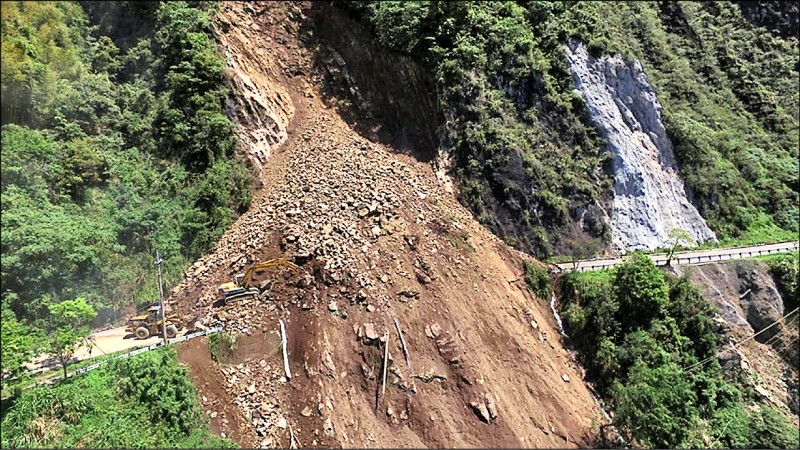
(378, 238)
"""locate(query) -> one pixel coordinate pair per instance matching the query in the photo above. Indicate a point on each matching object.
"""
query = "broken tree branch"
(285, 354)
(403, 343)
(293, 441)
(385, 363)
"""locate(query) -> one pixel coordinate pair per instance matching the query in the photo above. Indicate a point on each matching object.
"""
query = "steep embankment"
(750, 303)
(379, 239)
(649, 196)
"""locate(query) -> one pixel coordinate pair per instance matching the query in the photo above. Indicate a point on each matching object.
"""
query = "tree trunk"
(64, 366)
(669, 256)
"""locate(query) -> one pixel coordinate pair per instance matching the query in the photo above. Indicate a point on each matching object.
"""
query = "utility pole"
(159, 262)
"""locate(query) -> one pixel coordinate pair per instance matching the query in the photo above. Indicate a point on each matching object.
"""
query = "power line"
(789, 323)
(710, 358)
(786, 347)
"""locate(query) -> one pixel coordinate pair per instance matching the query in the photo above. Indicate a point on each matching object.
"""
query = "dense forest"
(115, 145)
(530, 164)
(648, 342)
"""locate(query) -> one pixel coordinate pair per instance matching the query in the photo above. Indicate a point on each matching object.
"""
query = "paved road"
(693, 257)
(108, 341)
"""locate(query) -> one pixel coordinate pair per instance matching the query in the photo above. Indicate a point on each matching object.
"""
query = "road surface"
(108, 341)
(692, 257)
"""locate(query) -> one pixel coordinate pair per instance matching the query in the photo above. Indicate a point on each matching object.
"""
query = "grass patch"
(222, 346)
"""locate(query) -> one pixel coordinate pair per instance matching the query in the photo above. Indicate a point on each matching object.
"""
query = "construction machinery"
(241, 287)
(149, 324)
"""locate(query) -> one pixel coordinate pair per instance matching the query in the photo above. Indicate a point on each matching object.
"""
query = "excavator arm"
(260, 267)
(242, 288)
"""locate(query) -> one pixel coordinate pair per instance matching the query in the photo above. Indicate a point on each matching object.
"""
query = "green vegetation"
(114, 144)
(529, 162)
(524, 155)
(222, 347)
(538, 281)
(143, 402)
(729, 92)
(67, 328)
(785, 270)
(647, 341)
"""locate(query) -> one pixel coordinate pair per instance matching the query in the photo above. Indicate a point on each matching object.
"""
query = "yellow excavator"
(240, 287)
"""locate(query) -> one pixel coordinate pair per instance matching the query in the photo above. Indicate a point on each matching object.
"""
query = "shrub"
(538, 281)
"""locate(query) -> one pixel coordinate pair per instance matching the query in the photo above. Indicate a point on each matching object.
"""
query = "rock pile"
(253, 387)
(334, 201)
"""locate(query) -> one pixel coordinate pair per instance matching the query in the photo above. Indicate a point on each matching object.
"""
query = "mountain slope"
(378, 238)
(531, 164)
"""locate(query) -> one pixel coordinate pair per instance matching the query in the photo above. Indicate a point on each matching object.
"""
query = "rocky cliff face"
(649, 195)
(263, 107)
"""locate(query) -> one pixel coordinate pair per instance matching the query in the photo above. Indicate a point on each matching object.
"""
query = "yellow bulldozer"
(241, 287)
(149, 324)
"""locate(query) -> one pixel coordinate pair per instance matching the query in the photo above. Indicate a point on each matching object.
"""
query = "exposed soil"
(210, 383)
(378, 238)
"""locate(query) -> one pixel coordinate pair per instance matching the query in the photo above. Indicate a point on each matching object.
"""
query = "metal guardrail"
(730, 253)
(137, 351)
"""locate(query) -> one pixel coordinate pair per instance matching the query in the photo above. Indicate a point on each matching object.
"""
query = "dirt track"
(379, 237)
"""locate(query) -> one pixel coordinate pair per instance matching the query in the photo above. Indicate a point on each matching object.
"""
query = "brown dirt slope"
(378, 239)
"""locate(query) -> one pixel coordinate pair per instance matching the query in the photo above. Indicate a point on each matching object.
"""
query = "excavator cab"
(231, 289)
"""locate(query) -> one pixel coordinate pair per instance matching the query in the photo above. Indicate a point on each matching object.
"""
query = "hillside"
(525, 147)
(378, 239)
(421, 163)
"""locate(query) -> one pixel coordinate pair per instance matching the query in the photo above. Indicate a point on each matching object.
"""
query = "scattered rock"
(369, 332)
(490, 406)
(565, 377)
(306, 412)
(328, 428)
(281, 423)
(332, 306)
(480, 410)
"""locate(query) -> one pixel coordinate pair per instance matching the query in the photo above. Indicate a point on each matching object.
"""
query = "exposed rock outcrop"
(750, 304)
(262, 107)
(649, 195)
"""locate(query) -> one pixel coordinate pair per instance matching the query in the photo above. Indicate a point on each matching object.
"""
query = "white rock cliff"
(649, 195)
